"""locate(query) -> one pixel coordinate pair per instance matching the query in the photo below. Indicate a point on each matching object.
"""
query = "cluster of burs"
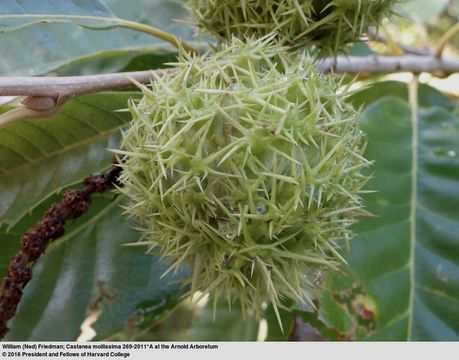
(246, 163)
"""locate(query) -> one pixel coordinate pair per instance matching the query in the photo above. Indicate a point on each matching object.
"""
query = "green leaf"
(15, 14)
(228, 325)
(120, 61)
(91, 15)
(39, 157)
(90, 270)
(164, 14)
(333, 314)
(9, 245)
(427, 96)
(275, 332)
(54, 47)
(407, 258)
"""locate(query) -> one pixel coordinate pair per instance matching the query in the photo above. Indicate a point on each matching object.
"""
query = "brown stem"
(74, 203)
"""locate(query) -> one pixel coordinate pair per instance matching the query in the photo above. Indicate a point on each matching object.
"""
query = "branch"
(69, 86)
(388, 64)
(74, 203)
(47, 94)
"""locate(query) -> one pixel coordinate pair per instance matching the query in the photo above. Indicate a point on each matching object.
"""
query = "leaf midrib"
(413, 100)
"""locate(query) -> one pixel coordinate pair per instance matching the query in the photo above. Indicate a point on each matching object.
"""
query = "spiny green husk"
(245, 164)
(330, 25)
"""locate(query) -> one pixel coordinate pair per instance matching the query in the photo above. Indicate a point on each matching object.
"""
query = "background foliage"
(402, 282)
